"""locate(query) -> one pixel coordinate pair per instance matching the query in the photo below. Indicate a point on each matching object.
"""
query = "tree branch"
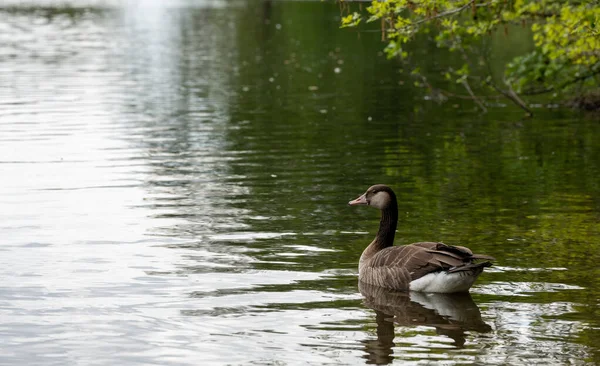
(510, 94)
(444, 14)
(479, 103)
(563, 85)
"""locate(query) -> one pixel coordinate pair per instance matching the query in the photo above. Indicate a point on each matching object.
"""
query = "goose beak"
(362, 200)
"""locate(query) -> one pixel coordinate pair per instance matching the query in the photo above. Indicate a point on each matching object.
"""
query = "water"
(174, 187)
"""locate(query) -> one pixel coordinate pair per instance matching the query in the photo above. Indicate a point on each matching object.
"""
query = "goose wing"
(397, 266)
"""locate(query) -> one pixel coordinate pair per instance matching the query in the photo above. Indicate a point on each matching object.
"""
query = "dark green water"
(174, 188)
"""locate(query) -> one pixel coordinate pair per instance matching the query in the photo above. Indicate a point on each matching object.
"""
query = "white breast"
(444, 282)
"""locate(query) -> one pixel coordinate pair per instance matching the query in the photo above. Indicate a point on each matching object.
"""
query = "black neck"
(387, 226)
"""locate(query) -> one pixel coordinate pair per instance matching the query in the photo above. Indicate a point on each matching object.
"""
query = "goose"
(422, 266)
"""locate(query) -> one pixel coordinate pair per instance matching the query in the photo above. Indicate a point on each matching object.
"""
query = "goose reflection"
(450, 314)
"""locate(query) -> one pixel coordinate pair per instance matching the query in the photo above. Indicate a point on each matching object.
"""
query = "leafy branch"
(566, 35)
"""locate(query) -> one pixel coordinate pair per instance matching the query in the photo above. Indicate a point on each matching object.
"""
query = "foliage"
(566, 38)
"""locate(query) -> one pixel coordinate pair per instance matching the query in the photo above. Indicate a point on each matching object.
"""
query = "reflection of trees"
(300, 121)
(450, 314)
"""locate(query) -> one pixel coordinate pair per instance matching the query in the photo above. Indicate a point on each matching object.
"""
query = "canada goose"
(423, 266)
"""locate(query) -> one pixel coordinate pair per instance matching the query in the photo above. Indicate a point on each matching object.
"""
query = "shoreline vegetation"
(560, 64)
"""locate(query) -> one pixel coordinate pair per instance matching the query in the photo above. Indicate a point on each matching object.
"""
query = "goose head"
(379, 196)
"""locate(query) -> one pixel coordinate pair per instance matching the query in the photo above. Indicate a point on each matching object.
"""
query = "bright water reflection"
(173, 190)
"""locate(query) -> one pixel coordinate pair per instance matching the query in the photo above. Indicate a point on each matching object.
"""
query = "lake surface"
(174, 188)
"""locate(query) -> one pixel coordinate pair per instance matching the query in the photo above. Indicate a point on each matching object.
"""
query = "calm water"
(174, 183)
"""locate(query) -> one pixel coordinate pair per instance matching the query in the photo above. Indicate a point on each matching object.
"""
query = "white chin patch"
(380, 200)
